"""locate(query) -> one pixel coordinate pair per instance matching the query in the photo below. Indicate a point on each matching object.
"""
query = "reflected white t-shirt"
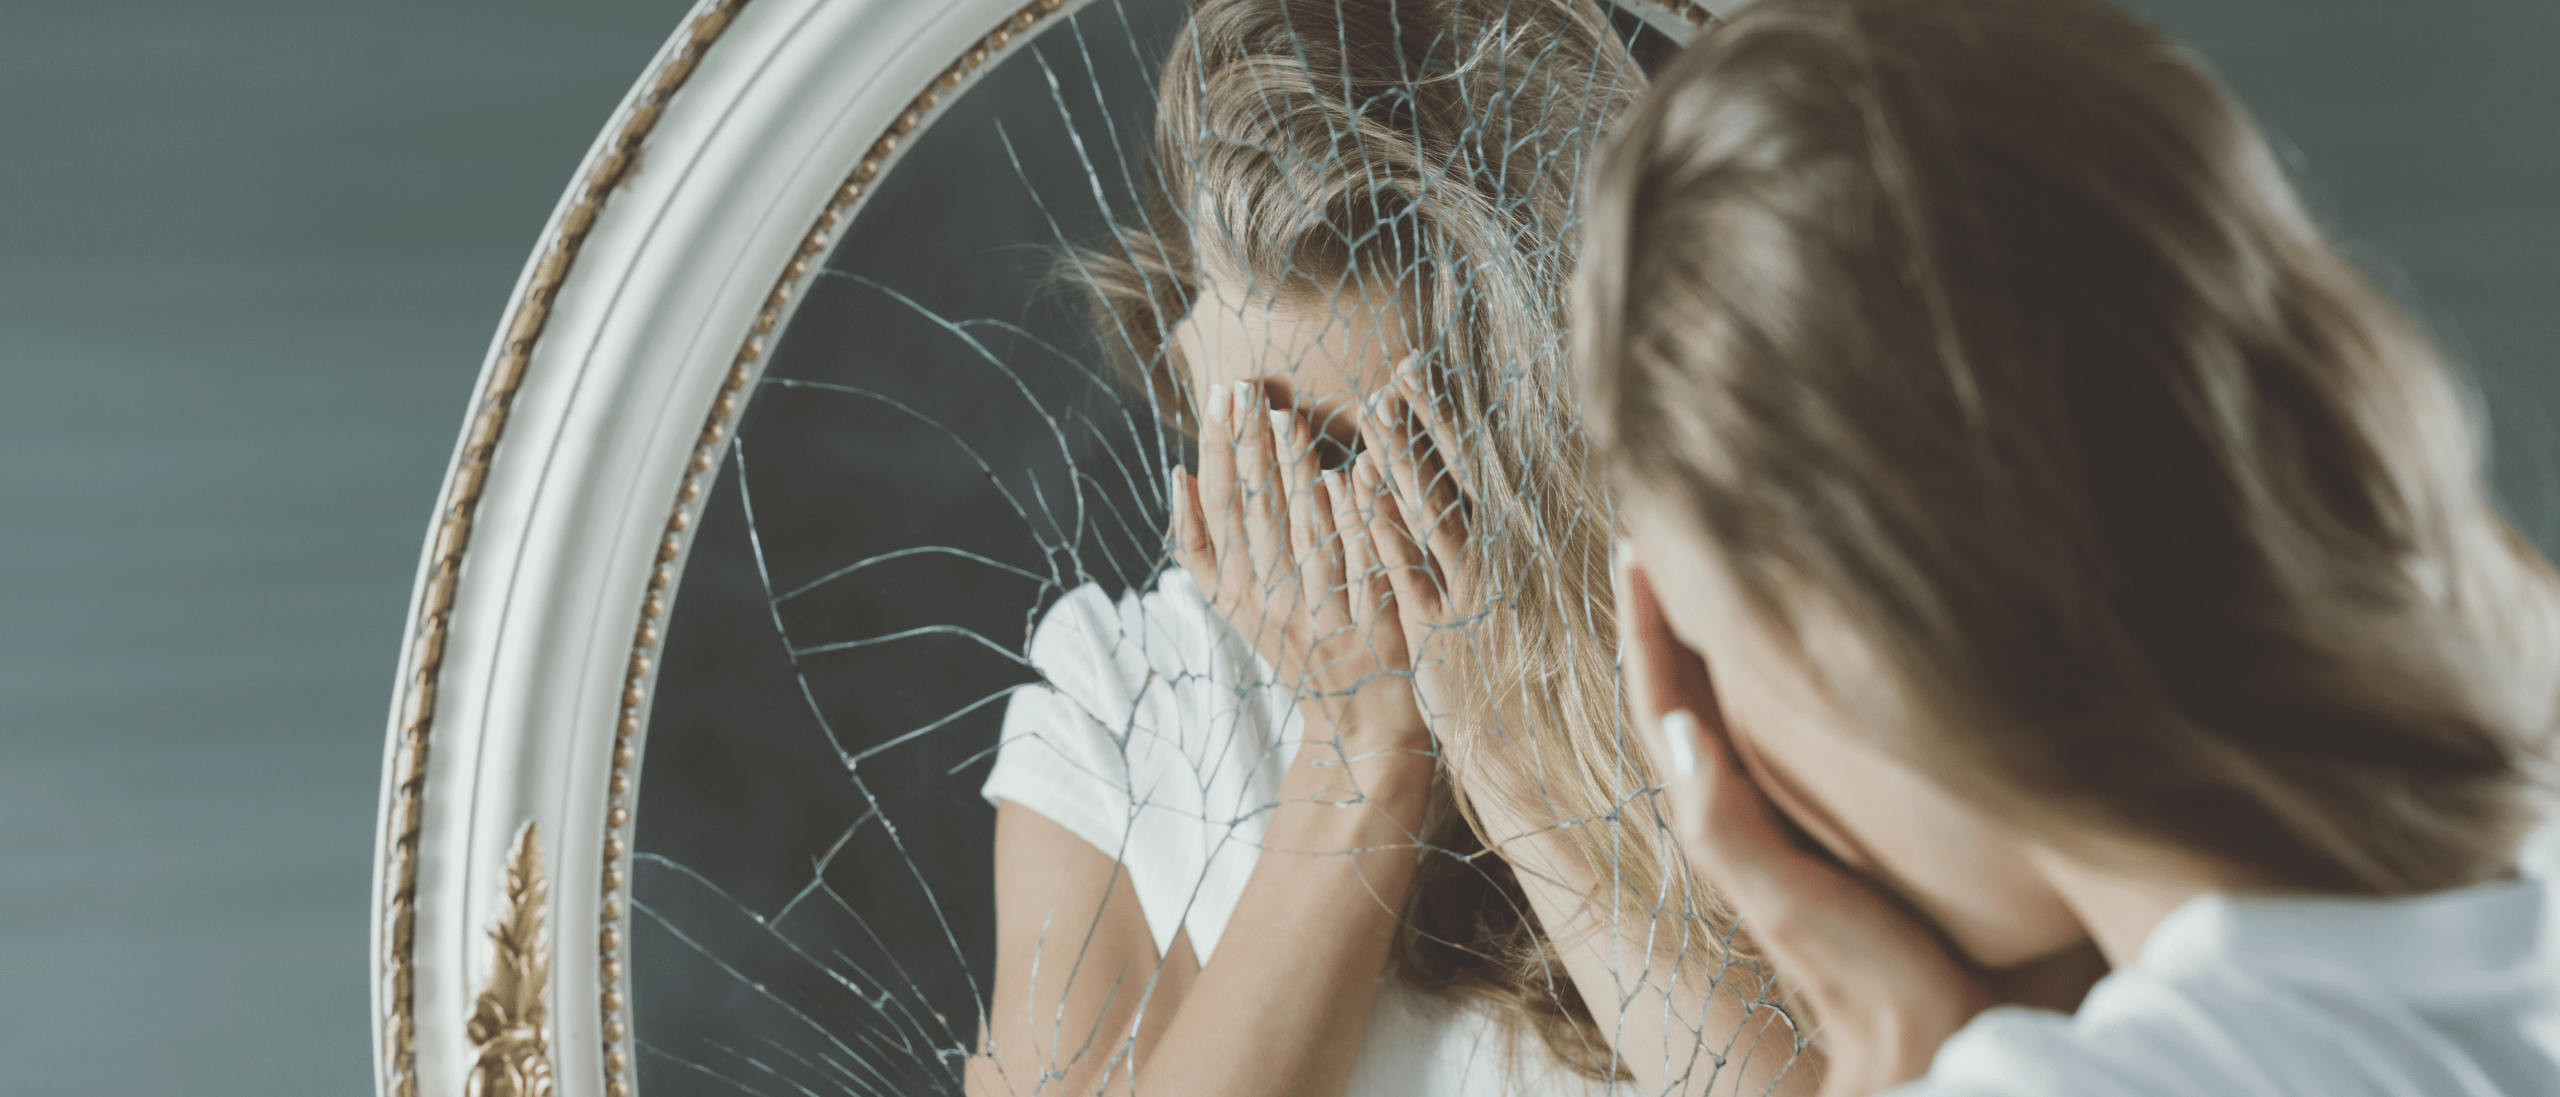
(1159, 738)
(2455, 994)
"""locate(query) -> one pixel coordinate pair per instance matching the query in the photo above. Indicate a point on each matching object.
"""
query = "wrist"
(1339, 767)
(1363, 731)
(1388, 745)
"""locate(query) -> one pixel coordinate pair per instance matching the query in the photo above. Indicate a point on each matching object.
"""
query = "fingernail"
(1281, 424)
(1622, 551)
(1173, 486)
(1679, 739)
(1244, 395)
(1218, 400)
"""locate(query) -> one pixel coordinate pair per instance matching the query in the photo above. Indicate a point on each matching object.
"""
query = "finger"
(1266, 514)
(1366, 585)
(1735, 839)
(1436, 410)
(1867, 969)
(1721, 839)
(1321, 569)
(1408, 572)
(1836, 938)
(1192, 547)
(1447, 535)
(1376, 613)
(1726, 825)
(1176, 533)
(1832, 933)
(1298, 468)
(1423, 490)
(1387, 430)
(1432, 456)
(1373, 592)
(1220, 505)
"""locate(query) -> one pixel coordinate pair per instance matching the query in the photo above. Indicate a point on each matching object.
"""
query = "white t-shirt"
(1160, 738)
(2455, 994)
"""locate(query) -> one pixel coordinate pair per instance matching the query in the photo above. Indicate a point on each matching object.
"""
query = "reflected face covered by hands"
(1340, 380)
(1321, 357)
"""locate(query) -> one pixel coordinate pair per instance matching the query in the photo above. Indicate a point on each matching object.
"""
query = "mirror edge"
(562, 523)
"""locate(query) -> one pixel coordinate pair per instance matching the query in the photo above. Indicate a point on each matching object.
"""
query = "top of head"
(1316, 159)
(1988, 338)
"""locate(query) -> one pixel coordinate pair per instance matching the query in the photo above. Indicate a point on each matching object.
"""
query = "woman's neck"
(2120, 906)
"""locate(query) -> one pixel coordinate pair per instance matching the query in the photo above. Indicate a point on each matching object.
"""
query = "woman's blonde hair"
(1432, 150)
(1988, 344)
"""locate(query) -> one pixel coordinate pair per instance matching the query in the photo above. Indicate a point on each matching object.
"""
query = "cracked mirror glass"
(940, 571)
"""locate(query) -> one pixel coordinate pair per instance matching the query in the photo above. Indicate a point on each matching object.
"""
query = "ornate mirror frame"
(500, 934)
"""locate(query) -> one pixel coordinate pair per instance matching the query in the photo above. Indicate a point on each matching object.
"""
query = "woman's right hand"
(1882, 989)
(1282, 1001)
(1287, 560)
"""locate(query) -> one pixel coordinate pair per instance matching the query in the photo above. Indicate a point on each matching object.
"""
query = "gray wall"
(2426, 133)
(250, 254)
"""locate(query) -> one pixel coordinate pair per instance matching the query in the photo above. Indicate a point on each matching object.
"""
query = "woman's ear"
(1662, 675)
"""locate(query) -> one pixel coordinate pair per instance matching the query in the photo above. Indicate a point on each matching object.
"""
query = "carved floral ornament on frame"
(801, 424)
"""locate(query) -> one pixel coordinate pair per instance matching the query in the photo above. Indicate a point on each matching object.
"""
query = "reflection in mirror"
(934, 576)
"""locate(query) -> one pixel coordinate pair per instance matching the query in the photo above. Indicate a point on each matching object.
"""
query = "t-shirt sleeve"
(1062, 750)
(2159, 1047)
(2004, 1053)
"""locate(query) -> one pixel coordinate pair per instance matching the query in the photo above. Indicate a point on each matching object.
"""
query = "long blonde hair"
(1435, 147)
(1989, 345)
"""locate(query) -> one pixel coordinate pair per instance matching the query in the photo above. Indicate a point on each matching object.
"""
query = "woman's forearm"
(1079, 986)
(1283, 1001)
(1677, 1020)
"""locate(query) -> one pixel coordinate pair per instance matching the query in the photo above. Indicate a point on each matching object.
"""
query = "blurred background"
(250, 257)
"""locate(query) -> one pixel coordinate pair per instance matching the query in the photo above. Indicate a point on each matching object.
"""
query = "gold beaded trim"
(453, 535)
(716, 426)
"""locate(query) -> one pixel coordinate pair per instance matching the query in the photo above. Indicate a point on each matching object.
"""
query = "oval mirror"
(800, 425)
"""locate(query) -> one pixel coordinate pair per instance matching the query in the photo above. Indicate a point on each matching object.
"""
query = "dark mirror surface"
(932, 458)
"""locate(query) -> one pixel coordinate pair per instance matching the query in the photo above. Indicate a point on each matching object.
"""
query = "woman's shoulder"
(1088, 618)
(2145, 1037)
(2450, 993)
(1107, 649)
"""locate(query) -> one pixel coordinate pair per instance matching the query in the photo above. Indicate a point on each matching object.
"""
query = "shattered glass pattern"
(936, 456)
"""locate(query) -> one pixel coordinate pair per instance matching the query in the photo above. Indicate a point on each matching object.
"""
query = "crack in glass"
(938, 455)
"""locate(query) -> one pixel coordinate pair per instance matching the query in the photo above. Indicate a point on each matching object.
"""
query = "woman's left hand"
(1407, 484)
(1882, 989)
(1272, 541)
(1404, 484)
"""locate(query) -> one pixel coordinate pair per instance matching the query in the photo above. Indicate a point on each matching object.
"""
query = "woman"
(1233, 846)
(2039, 530)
